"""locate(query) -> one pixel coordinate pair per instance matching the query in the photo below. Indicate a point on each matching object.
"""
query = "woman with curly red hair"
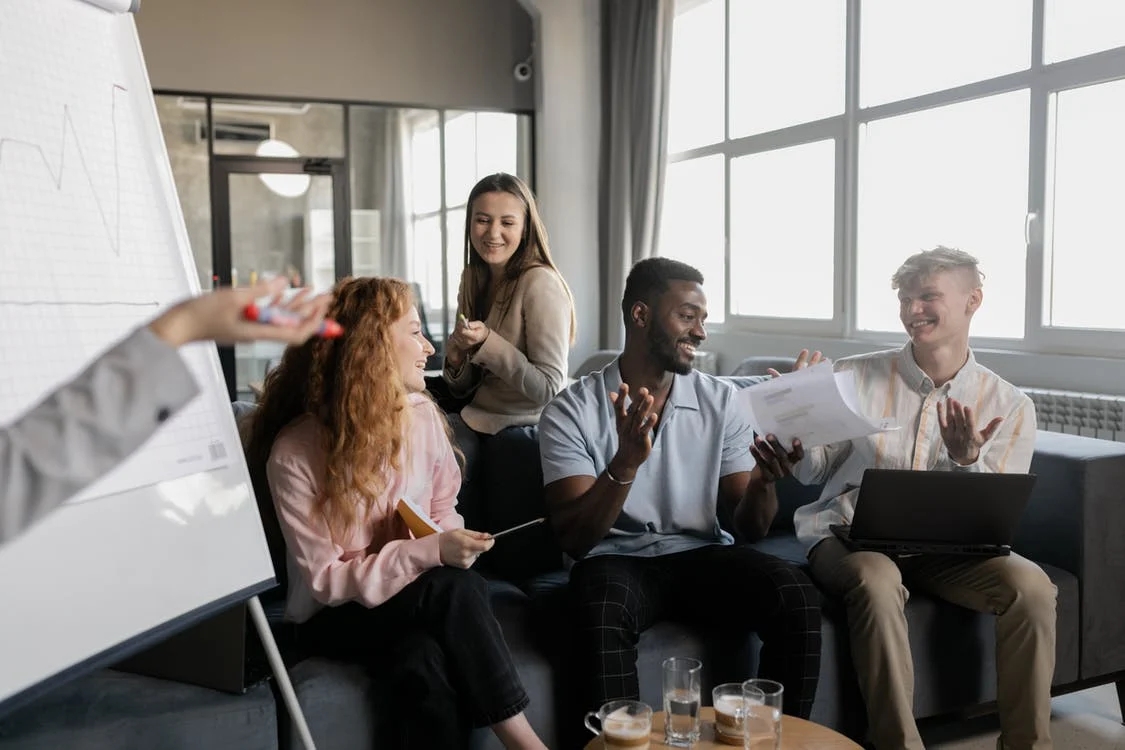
(344, 430)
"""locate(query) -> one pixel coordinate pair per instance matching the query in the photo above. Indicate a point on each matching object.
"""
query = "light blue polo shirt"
(672, 504)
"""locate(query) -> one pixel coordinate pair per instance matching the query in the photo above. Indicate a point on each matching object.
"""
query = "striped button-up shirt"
(890, 384)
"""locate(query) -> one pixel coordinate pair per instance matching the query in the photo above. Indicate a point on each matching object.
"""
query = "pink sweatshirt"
(378, 557)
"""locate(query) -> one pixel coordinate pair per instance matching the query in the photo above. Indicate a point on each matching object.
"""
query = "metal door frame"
(222, 167)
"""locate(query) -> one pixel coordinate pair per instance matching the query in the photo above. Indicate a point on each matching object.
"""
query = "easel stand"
(279, 672)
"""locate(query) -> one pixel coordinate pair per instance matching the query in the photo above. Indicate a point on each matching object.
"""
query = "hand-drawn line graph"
(113, 233)
(92, 241)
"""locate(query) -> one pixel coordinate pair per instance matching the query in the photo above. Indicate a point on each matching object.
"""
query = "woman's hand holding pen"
(466, 338)
(460, 548)
(220, 316)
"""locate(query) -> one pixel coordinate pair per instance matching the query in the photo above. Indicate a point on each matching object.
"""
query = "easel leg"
(279, 672)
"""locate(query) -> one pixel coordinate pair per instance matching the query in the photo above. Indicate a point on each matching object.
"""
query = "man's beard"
(664, 351)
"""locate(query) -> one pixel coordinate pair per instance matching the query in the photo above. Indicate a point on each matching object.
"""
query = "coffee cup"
(730, 712)
(623, 725)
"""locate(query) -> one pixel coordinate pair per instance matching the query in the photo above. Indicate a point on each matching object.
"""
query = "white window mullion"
(848, 178)
(1036, 186)
(727, 206)
(446, 314)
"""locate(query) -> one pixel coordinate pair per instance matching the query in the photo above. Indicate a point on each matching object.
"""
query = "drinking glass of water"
(762, 722)
(682, 687)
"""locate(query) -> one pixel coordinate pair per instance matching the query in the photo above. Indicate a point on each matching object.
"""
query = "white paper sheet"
(814, 404)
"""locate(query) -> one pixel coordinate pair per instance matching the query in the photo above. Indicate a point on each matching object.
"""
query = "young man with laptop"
(954, 415)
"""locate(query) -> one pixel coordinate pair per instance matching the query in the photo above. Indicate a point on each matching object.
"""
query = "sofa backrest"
(243, 415)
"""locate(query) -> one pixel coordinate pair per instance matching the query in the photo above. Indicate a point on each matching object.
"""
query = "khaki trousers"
(874, 587)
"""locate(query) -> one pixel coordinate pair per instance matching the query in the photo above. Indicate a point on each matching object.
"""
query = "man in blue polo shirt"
(639, 461)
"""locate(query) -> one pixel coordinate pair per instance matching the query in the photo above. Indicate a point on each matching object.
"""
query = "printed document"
(814, 404)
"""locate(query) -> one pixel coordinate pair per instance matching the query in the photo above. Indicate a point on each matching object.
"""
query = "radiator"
(1090, 414)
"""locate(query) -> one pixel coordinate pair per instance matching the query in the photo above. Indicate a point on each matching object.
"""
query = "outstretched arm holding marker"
(223, 316)
(90, 424)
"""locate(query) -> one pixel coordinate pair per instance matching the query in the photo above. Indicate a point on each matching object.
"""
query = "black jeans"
(620, 596)
(485, 466)
(438, 646)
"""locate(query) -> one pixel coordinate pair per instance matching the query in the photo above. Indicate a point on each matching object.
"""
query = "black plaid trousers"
(619, 596)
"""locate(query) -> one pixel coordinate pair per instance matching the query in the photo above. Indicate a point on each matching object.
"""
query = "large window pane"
(425, 164)
(782, 232)
(478, 144)
(387, 178)
(1073, 28)
(460, 157)
(1084, 199)
(912, 48)
(498, 140)
(956, 176)
(778, 48)
(695, 97)
(455, 254)
(425, 263)
(691, 226)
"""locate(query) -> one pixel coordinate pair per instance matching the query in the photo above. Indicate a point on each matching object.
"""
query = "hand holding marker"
(278, 316)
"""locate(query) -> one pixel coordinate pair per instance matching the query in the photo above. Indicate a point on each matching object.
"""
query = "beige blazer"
(522, 364)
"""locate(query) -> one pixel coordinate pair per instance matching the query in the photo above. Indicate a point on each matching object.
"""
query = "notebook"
(417, 520)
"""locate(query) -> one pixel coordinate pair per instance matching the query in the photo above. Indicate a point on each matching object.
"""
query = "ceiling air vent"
(246, 132)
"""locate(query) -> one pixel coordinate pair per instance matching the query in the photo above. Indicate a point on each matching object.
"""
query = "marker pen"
(279, 316)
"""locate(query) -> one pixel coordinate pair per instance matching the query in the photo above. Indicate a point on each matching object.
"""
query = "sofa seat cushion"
(111, 710)
(340, 700)
(517, 619)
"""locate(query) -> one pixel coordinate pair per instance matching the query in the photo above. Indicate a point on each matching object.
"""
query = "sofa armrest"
(1074, 521)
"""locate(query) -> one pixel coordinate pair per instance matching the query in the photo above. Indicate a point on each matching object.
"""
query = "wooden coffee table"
(796, 734)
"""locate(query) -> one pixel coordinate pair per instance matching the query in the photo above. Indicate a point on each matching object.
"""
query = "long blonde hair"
(352, 386)
(533, 251)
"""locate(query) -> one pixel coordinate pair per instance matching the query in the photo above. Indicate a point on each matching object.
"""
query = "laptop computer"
(904, 512)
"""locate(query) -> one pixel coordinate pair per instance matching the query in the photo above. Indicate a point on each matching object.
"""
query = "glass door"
(276, 217)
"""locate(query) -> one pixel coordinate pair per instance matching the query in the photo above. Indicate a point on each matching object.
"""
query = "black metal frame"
(222, 167)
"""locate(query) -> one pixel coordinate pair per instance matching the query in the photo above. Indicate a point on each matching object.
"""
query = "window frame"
(1040, 79)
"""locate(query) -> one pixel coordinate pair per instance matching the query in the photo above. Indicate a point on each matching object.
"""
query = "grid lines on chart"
(88, 247)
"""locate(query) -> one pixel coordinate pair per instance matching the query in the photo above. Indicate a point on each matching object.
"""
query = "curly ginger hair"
(352, 386)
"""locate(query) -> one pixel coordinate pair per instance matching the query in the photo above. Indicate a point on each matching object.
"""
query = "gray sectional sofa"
(1073, 527)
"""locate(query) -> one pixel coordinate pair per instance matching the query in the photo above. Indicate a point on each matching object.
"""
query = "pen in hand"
(499, 534)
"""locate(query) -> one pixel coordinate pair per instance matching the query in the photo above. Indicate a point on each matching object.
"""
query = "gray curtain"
(395, 217)
(380, 143)
(636, 56)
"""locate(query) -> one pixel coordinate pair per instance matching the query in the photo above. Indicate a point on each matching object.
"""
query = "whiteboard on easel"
(93, 243)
